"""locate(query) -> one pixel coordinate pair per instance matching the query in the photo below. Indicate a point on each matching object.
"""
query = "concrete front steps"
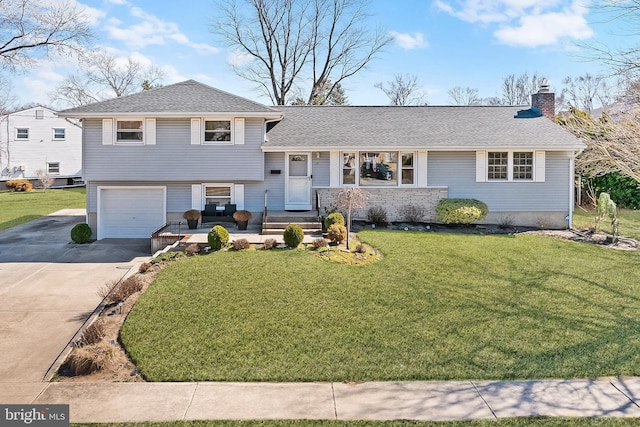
(276, 222)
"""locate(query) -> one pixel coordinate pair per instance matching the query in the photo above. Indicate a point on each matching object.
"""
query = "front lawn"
(19, 208)
(628, 221)
(436, 307)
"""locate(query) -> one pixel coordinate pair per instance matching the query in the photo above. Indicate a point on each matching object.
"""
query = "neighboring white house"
(37, 139)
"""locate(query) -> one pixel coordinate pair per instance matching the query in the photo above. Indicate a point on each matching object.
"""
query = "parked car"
(376, 170)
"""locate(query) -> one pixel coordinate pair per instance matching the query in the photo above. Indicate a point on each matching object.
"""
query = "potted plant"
(192, 216)
(242, 218)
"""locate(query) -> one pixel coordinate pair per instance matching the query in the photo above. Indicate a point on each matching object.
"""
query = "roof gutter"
(276, 115)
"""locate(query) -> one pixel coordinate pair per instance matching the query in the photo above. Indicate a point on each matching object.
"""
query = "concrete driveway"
(47, 290)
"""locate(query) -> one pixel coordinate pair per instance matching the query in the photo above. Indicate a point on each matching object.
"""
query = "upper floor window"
(498, 165)
(22, 133)
(129, 131)
(39, 114)
(523, 165)
(217, 131)
(58, 134)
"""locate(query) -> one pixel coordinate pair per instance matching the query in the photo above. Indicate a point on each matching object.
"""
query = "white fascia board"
(342, 148)
(172, 115)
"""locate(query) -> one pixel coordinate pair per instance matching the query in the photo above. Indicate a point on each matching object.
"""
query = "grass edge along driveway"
(437, 307)
(22, 207)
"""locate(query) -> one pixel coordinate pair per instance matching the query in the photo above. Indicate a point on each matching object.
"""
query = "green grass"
(628, 222)
(437, 307)
(19, 208)
(505, 422)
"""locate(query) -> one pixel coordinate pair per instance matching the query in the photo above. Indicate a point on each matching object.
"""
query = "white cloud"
(408, 41)
(238, 59)
(152, 30)
(172, 75)
(528, 23)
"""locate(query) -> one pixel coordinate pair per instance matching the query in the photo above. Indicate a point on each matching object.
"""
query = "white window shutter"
(335, 169)
(539, 162)
(421, 169)
(196, 134)
(238, 190)
(107, 131)
(196, 197)
(238, 131)
(481, 166)
(150, 132)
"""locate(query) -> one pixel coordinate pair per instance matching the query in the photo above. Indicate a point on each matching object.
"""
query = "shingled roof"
(447, 128)
(187, 98)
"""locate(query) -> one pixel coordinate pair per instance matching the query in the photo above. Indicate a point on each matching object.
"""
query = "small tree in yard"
(607, 210)
(349, 199)
(45, 180)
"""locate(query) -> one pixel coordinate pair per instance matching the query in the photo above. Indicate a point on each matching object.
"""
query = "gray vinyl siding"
(457, 171)
(320, 169)
(274, 183)
(174, 158)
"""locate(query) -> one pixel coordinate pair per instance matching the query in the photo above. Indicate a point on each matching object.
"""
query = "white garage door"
(130, 212)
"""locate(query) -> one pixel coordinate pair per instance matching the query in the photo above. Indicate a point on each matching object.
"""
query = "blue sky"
(445, 43)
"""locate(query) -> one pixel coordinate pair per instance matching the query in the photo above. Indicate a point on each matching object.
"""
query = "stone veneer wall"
(392, 199)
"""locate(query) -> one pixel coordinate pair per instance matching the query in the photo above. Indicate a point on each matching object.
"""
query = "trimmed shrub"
(270, 243)
(19, 185)
(377, 215)
(337, 233)
(81, 233)
(334, 218)
(319, 243)
(218, 237)
(241, 244)
(144, 267)
(461, 211)
(192, 249)
(293, 235)
(411, 213)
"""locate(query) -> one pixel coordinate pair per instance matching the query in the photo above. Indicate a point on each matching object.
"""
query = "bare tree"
(612, 145)
(517, 89)
(32, 29)
(336, 97)
(290, 42)
(348, 199)
(403, 90)
(45, 180)
(464, 95)
(581, 92)
(103, 76)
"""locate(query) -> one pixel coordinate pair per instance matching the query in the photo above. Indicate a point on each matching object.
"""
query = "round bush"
(81, 233)
(461, 211)
(337, 233)
(334, 218)
(218, 237)
(293, 235)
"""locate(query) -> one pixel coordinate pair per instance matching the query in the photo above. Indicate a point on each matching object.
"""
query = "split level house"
(150, 156)
(36, 139)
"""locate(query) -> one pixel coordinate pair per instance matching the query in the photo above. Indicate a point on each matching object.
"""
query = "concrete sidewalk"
(458, 400)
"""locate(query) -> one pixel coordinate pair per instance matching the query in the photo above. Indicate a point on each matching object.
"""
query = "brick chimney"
(544, 100)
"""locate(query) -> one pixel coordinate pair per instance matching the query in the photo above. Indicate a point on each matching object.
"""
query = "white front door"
(298, 183)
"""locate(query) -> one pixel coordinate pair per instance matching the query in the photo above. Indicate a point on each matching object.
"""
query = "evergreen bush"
(293, 235)
(218, 237)
(461, 211)
(81, 233)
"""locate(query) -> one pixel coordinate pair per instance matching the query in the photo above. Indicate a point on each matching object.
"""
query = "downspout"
(572, 186)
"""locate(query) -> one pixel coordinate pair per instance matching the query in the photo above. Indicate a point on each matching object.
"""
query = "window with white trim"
(129, 131)
(217, 131)
(378, 168)
(58, 134)
(510, 165)
(407, 164)
(219, 194)
(523, 165)
(22, 133)
(53, 167)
